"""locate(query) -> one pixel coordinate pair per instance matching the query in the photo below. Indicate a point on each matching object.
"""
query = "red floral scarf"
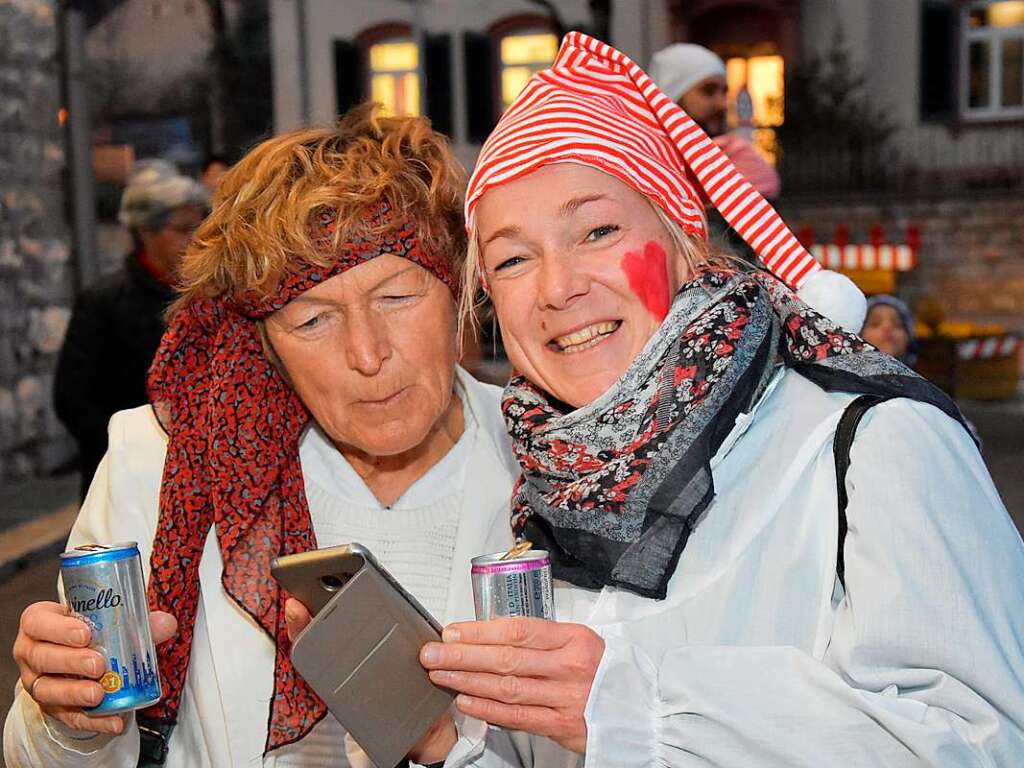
(233, 464)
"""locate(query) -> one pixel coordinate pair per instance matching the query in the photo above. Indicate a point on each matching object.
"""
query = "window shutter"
(438, 61)
(938, 57)
(480, 75)
(349, 79)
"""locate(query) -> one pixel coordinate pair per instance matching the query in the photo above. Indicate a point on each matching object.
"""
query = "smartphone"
(360, 653)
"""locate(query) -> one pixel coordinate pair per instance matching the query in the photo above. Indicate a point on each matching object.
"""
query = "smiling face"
(371, 353)
(581, 272)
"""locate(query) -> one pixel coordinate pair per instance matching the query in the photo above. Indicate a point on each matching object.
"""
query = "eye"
(602, 231)
(397, 298)
(512, 262)
(310, 324)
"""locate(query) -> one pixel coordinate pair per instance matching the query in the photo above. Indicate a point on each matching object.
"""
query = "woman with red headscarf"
(739, 581)
(306, 394)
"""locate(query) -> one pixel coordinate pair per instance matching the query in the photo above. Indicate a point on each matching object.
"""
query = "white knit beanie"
(154, 189)
(678, 68)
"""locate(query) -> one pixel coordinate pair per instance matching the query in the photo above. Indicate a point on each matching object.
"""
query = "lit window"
(522, 54)
(756, 96)
(394, 76)
(993, 80)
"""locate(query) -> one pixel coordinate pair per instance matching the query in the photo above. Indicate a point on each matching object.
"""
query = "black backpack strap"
(845, 433)
(154, 735)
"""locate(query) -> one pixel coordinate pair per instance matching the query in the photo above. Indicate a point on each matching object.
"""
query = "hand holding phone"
(360, 652)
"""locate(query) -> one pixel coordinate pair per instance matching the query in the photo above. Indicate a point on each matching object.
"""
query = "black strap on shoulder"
(845, 433)
(154, 736)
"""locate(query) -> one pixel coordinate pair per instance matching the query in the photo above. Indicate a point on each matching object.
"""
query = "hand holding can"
(61, 672)
(104, 586)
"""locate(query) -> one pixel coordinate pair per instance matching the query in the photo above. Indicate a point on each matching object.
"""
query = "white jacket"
(223, 716)
(757, 657)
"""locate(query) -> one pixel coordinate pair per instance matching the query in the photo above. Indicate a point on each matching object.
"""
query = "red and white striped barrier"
(988, 347)
(895, 258)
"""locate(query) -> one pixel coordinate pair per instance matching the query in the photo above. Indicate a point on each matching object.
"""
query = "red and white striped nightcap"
(597, 107)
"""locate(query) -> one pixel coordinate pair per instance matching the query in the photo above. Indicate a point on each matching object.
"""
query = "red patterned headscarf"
(232, 463)
(596, 107)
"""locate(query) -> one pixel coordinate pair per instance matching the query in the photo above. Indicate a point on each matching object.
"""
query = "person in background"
(889, 326)
(214, 167)
(116, 323)
(694, 78)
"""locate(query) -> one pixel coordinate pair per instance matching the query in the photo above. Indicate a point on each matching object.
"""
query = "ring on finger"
(32, 686)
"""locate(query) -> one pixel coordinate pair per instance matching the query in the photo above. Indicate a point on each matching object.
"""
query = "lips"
(387, 400)
(584, 338)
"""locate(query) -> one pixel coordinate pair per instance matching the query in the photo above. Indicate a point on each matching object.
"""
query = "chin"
(580, 393)
(393, 439)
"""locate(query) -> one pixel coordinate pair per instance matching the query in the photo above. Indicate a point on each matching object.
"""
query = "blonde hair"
(261, 225)
(698, 254)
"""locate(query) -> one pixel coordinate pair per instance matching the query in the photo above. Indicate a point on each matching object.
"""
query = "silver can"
(104, 586)
(515, 586)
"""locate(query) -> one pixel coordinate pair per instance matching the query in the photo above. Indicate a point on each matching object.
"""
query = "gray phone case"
(361, 656)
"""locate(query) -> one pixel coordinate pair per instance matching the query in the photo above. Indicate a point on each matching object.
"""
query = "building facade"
(475, 56)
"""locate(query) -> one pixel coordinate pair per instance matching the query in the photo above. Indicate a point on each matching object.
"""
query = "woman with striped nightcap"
(743, 577)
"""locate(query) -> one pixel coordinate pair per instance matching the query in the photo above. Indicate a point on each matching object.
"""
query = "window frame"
(392, 32)
(522, 24)
(994, 36)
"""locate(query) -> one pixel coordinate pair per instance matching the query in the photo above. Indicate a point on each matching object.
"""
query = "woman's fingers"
(79, 721)
(163, 626)
(65, 692)
(510, 689)
(542, 721)
(53, 659)
(498, 659)
(523, 632)
(49, 623)
(296, 617)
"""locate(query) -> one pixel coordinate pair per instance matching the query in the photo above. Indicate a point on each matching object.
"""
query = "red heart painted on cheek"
(648, 277)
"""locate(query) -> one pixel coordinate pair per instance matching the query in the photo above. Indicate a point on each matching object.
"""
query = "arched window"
(382, 64)
(393, 68)
(520, 54)
(522, 45)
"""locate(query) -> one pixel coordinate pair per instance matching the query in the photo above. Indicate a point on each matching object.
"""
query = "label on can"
(104, 587)
(516, 586)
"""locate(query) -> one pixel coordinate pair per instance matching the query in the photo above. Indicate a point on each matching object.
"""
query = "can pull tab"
(517, 549)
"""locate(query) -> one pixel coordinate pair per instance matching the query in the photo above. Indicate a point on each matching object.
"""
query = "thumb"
(296, 617)
(163, 626)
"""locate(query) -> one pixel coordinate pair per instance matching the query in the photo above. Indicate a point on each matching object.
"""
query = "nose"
(366, 343)
(722, 100)
(560, 281)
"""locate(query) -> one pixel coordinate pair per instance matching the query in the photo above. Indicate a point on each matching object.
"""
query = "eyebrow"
(567, 208)
(511, 231)
(570, 207)
(306, 299)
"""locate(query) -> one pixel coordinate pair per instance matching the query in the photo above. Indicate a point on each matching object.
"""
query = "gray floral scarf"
(613, 489)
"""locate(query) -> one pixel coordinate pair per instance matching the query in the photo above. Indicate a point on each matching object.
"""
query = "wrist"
(435, 749)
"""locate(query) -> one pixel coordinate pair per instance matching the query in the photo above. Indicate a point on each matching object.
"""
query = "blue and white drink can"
(104, 586)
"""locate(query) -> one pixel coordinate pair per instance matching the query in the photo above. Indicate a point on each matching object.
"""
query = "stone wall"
(36, 280)
(971, 258)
